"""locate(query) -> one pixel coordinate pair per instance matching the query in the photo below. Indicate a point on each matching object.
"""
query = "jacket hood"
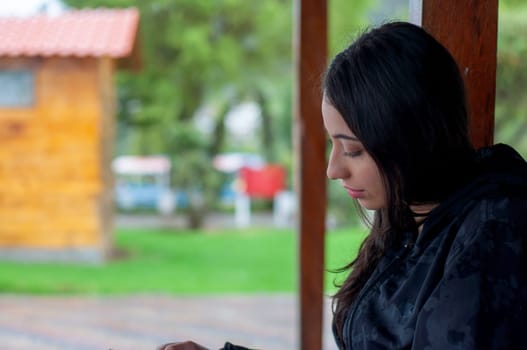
(500, 158)
(497, 171)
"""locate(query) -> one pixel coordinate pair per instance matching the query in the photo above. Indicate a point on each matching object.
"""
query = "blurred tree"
(197, 53)
(346, 19)
(511, 84)
(218, 53)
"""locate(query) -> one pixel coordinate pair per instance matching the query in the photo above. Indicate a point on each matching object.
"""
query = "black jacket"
(462, 284)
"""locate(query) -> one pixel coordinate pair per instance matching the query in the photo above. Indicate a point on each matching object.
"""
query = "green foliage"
(200, 53)
(511, 4)
(216, 53)
(511, 84)
(345, 19)
(161, 261)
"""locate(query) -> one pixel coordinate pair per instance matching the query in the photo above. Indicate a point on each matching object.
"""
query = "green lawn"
(163, 261)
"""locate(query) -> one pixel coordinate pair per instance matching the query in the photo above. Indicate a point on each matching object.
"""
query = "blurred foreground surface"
(144, 322)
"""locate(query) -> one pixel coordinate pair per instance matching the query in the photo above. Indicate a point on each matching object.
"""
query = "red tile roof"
(96, 32)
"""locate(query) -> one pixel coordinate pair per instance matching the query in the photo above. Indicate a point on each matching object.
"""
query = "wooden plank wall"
(50, 169)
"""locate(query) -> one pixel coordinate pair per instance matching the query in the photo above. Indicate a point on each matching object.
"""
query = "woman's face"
(349, 162)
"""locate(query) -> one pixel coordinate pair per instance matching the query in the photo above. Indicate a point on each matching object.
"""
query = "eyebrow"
(345, 137)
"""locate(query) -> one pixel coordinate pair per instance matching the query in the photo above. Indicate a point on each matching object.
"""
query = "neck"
(421, 212)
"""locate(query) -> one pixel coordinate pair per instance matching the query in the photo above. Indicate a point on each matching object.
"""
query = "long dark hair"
(401, 93)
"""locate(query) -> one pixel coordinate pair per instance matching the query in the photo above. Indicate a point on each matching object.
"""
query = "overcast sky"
(28, 7)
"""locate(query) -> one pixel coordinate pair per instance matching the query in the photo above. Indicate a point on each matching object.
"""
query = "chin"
(369, 205)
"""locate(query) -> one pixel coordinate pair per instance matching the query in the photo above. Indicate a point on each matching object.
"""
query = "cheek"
(380, 190)
(378, 179)
(376, 182)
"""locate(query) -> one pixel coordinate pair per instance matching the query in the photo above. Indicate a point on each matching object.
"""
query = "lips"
(354, 193)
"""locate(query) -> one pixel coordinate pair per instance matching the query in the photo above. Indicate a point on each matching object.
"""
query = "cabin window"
(17, 88)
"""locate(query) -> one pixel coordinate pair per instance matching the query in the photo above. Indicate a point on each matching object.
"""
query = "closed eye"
(353, 154)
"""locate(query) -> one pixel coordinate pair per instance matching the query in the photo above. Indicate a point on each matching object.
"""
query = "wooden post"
(310, 47)
(468, 29)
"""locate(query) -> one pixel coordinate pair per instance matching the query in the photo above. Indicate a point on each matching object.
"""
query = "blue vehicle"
(144, 182)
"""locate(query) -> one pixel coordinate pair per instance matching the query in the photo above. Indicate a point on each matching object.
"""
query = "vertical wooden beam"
(468, 29)
(310, 46)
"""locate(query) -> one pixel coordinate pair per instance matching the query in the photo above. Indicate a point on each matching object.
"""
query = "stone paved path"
(144, 321)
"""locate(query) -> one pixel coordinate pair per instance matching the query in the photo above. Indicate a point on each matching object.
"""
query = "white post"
(242, 209)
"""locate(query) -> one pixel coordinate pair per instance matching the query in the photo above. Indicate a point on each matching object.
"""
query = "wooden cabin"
(57, 108)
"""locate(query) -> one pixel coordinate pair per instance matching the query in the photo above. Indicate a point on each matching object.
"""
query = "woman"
(445, 264)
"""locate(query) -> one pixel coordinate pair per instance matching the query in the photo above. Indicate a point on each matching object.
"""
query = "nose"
(335, 169)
